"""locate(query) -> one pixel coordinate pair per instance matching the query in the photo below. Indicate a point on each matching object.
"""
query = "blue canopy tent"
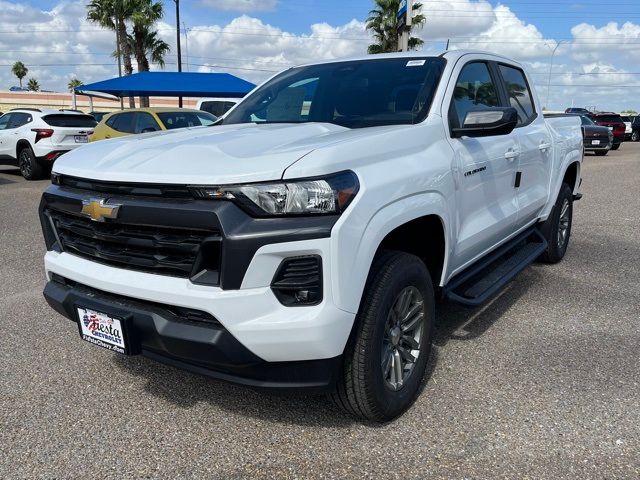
(172, 84)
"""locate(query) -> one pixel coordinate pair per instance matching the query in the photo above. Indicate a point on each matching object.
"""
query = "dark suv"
(613, 121)
(635, 129)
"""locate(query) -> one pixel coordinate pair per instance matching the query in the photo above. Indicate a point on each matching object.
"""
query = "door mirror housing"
(487, 122)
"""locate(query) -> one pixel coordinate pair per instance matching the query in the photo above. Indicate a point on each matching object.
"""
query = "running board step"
(484, 279)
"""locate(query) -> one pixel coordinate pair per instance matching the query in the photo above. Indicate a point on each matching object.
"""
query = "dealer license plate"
(595, 142)
(102, 330)
(80, 138)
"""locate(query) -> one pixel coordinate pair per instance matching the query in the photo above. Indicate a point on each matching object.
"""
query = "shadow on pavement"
(185, 390)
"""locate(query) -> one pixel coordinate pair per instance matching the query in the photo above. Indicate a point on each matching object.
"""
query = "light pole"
(550, 67)
(178, 43)
(115, 23)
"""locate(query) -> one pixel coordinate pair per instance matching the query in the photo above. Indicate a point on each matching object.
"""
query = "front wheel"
(615, 146)
(385, 362)
(557, 228)
(635, 136)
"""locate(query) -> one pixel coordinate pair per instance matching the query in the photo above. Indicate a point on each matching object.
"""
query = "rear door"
(536, 153)
(69, 130)
(484, 166)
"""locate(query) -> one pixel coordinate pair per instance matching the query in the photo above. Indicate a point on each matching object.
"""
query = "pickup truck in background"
(303, 241)
(614, 122)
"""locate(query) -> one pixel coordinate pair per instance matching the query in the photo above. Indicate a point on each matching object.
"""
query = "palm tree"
(20, 71)
(144, 41)
(33, 85)
(383, 23)
(73, 83)
(113, 14)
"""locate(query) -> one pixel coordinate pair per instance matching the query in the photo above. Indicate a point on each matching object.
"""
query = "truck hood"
(223, 154)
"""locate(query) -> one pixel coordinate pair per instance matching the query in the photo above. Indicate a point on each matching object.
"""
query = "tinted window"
(353, 94)
(586, 120)
(607, 118)
(216, 107)
(145, 123)
(519, 93)
(19, 119)
(122, 122)
(62, 120)
(4, 121)
(474, 89)
(625, 119)
(172, 120)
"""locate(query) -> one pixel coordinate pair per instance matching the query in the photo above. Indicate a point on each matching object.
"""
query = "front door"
(484, 168)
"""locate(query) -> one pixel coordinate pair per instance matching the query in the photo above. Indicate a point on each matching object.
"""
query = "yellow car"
(143, 120)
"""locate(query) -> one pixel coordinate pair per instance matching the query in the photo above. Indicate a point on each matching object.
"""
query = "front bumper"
(203, 346)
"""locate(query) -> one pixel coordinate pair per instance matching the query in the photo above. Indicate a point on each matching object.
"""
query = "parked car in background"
(627, 127)
(595, 138)
(144, 120)
(216, 106)
(33, 139)
(635, 129)
(612, 120)
(581, 111)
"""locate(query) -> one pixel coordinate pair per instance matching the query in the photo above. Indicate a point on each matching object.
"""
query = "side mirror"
(148, 129)
(487, 122)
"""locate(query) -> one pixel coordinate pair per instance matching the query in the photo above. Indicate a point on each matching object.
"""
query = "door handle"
(511, 154)
(544, 146)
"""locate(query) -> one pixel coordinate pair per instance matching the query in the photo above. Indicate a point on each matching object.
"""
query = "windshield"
(355, 94)
(586, 120)
(180, 119)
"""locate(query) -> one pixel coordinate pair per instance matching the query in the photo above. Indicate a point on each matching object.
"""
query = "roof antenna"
(447, 47)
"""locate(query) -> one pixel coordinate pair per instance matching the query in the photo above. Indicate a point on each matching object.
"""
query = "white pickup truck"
(302, 242)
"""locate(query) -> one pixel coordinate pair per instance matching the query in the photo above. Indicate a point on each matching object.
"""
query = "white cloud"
(253, 49)
(247, 6)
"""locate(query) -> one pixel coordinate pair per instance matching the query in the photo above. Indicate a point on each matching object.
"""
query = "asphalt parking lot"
(543, 382)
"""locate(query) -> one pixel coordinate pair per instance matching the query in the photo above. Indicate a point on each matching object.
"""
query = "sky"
(592, 52)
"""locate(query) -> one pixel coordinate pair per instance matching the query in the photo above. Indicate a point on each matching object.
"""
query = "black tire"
(550, 228)
(601, 153)
(635, 136)
(615, 146)
(363, 389)
(29, 166)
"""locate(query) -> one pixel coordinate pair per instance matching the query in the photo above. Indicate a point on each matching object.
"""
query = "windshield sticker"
(415, 63)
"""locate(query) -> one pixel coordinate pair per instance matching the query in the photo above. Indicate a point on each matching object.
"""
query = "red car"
(614, 122)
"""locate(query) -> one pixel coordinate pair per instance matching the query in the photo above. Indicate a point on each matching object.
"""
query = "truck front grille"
(161, 250)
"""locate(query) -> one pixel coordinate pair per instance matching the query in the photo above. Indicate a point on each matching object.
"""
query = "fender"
(573, 156)
(355, 253)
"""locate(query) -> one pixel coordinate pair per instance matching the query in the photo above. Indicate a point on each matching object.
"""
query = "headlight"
(311, 196)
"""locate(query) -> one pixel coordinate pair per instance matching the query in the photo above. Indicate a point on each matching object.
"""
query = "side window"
(123, 122)
(519, 94)
(111, 121)
(145, 123)
(19, 119)
(4, 121)
(474, 89)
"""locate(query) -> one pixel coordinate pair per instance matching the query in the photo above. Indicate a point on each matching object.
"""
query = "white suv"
(33, 139)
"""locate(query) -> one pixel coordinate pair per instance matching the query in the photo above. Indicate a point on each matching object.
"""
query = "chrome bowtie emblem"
(98, 210)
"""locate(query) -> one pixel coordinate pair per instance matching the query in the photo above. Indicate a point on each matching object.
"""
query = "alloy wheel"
(24, 163)
(401, 345)
(563, 224)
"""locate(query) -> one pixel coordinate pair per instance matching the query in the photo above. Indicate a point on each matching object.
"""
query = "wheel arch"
(394, 227)
(21, 145)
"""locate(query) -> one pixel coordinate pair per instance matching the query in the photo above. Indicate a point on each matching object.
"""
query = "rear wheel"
(29, 166)
(386, 360)
(557, 228)
(635, 136)
(601, 153)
